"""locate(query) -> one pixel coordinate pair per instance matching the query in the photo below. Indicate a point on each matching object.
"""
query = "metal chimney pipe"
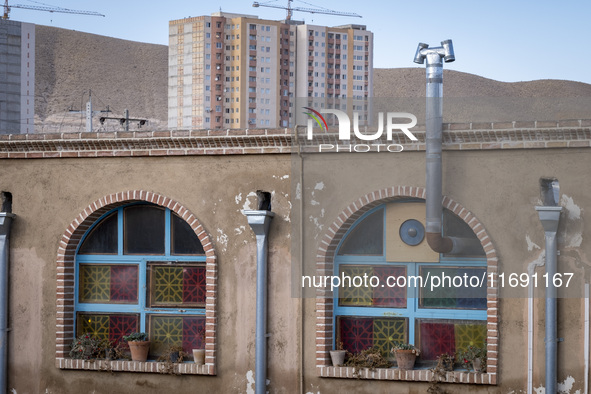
(549, 215)
(434, 125)
(6, 217)
(260, 221)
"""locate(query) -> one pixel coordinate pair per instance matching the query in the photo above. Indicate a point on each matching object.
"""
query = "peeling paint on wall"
(249, 197)
(238, 198)
(249, 382)
(573, 232)
(239, 230)
(222, 239)
(530, 244)
(564, 387)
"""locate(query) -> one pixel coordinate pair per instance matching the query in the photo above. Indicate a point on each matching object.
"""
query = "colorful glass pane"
(165, 331)
(387, 332)
(350, 294)
(193, 333)
(391, 296)
(167, 285)
(356, 333)
(436, 339)
(194, 285)
(104, 326)
(120, 325)
(470, 335)
(108, 283)
(124, 283)
(96, 325)
(95, 283)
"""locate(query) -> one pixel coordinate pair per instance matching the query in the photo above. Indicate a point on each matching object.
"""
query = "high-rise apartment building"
(17, 77)
(239, 71)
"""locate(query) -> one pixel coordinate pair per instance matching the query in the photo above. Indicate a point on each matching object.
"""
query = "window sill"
(415, 375)
(187, 368)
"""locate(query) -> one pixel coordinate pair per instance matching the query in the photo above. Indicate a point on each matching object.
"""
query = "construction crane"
(7, 8)
(291, 9)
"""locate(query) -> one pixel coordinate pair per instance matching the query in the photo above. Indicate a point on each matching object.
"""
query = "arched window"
(141, 267)
(394, 288)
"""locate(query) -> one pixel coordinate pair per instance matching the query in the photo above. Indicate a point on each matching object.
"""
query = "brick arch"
(337, 230)
(66, 257)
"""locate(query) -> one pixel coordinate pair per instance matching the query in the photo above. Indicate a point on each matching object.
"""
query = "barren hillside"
(121, 74)
(125, 74)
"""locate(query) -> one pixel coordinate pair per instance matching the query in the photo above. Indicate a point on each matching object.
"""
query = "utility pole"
(89, 112)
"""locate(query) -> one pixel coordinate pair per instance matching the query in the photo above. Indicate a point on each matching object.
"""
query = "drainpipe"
(260, 221)
(549, 215)
(6, 217)
(434, 127)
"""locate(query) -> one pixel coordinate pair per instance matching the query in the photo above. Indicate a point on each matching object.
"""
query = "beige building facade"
(64, 187)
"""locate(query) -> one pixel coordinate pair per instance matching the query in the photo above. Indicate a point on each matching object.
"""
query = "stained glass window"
(107, 326)
(171, 330)
(383, 299)
(173, 285)
(138, 279)
(352, 294)
(108, 283)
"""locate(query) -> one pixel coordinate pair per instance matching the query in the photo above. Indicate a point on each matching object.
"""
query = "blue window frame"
(141, 268)
(388, 306)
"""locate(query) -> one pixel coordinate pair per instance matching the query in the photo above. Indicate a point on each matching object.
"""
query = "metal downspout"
(6, 217)
(434, 127)
(549, 215)
(260, 221)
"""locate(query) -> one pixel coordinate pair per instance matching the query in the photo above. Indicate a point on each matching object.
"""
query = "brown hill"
(121, 74)
(126, 74)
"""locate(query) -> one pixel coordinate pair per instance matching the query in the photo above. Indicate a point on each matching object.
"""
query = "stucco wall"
(500, 187)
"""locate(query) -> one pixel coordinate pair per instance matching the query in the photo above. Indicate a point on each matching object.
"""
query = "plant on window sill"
(473, 358)
(406, 355)
(174, 355)
(87, 347)
(371, 359)
(139, 345)
(445, 363)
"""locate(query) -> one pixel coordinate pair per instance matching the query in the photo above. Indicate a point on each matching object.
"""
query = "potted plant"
(406, 355)
(87, 347)
(139, 345)
(199, 354)
(338, 356)
(473, 358)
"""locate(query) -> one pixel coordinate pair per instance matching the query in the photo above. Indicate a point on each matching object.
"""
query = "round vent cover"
(412, 232)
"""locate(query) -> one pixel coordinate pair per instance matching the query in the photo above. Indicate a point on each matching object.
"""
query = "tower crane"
(45, 8)
(290, 10)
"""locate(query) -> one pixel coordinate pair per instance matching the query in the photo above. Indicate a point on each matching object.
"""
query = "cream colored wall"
(500, 188)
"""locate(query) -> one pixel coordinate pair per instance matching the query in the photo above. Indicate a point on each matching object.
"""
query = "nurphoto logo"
(345, 130)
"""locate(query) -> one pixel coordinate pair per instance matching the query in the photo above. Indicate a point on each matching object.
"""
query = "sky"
(505, 40)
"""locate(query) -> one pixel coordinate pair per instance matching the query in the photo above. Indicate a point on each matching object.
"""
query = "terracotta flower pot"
(139, 350)
(406, 359)
(338, 357)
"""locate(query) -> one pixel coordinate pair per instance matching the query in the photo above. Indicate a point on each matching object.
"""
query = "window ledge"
(415, 375)
(188, 368)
